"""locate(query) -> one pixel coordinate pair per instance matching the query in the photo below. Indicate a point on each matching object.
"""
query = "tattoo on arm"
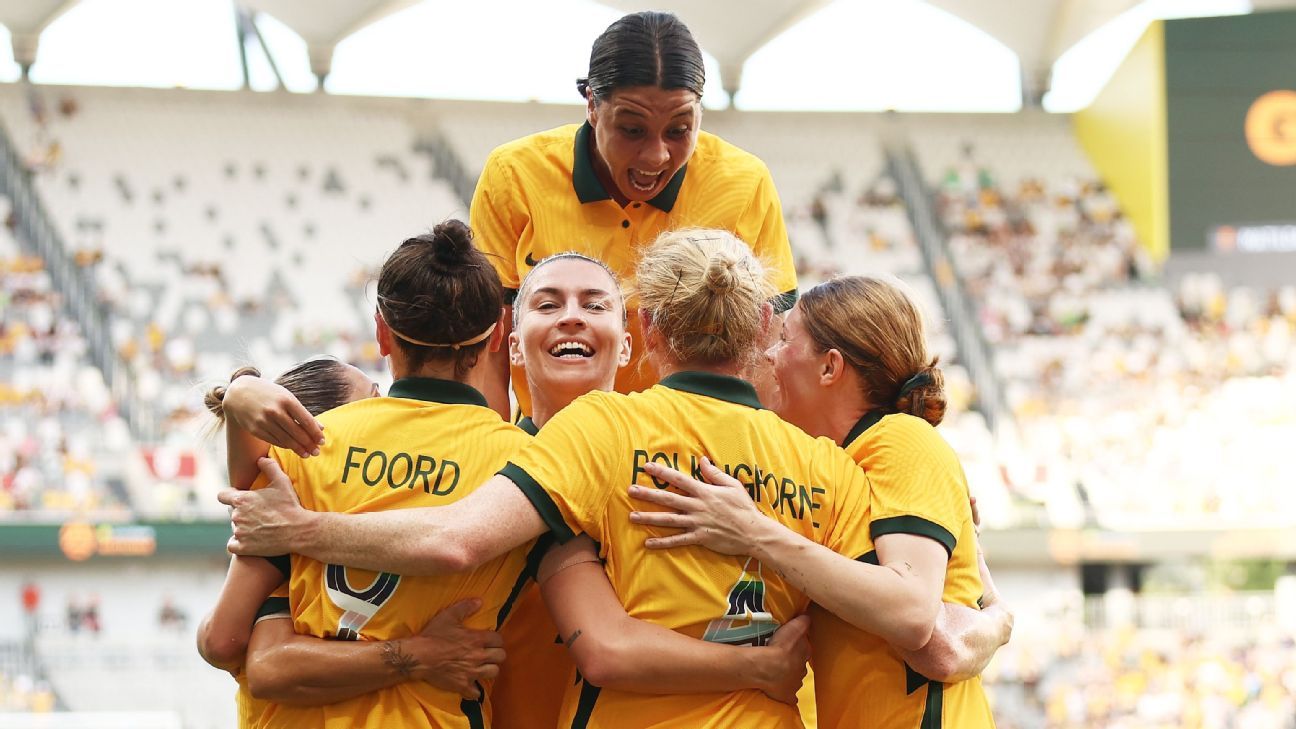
(404, 663)
(572, 640)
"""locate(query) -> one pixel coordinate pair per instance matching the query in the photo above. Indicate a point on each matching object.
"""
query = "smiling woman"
(638, 166)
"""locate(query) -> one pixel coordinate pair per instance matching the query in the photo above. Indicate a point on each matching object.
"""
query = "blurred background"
(1095, 201)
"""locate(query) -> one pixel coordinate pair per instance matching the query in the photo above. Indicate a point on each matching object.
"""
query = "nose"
(655, 154)
(573, 315)
(769, 352)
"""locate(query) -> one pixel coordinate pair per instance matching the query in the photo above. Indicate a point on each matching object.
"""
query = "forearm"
(634, 655)
(486, 523)
(403, 541)
(878, 599)
(242, 449)
(310, 671)
(963, 642)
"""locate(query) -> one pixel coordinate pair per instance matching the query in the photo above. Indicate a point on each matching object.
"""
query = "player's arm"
(762, 225)
(897, 599)
(431, 540)
(260, 413)
(497, 227)
(964, 639)
(288, 668)
(614, 650)
(224, 634)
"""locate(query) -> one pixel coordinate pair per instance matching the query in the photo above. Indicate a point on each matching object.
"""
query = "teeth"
(570, 350)
(637, 175)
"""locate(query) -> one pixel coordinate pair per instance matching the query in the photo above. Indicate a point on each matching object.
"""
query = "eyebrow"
(626, 111)
(552, 291)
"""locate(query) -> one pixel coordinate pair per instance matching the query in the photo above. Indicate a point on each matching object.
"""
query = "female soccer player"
(639, 165)
(305, 669)
(570, 338)
(430, 441)
(852, 365)
(703, 305)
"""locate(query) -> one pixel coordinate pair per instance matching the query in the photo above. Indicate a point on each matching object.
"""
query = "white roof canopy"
(1038, 31)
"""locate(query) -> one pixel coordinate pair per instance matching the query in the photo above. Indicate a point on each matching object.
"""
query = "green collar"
(721, 387)
(589, 189)
(870, 419)
(528, 426)
(430, 389)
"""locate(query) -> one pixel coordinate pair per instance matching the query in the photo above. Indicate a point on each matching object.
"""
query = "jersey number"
(358, 606)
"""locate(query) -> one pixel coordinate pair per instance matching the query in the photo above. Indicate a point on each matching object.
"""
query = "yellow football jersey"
(576, 473)
(250, 709)
(538, 196)
(429, 443)
(528, 693)
(917, 487)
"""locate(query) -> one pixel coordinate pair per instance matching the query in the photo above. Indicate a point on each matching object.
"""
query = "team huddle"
(707, 483)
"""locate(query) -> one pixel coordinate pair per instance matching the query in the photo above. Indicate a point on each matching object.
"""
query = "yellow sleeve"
(568, 470)
(763, 228)
(917, 484)
(496, 223)
(848, 531)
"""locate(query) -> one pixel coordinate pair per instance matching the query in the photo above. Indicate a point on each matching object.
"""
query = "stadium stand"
(61, 442)
(257, 243)
(207, 254)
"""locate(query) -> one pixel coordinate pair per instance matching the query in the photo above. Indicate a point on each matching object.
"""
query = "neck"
(547, 401)
(476, 377)
(604, 175)
(667, 368)
(837, 411)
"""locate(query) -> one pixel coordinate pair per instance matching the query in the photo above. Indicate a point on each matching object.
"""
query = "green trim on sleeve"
(869, 557)
(273, 606)
(913, 525)
(283, 563)
(784, 301)
(540, 499)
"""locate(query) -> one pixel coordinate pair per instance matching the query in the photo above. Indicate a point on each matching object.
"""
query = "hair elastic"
(922, 379)
(465, 343)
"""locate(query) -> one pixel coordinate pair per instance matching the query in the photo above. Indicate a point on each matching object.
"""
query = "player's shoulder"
(535, 147)
(716, 156)
(902, 430)
(347, 412)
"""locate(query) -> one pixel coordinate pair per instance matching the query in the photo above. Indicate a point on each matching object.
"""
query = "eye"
(632, 132)
(598, 306)
(546, 306)
(679, 132)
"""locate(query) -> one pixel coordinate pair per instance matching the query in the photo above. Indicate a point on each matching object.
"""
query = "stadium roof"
(1038, 31)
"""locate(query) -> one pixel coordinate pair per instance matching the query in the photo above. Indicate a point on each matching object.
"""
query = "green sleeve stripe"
(869, 557)
(913, 525)
(784, 301)
(283, 563)
(540, 499)
(273, 606)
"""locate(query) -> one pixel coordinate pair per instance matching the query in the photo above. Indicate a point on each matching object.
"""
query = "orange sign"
(80, 541)
(77, 540)
(1271, 128)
